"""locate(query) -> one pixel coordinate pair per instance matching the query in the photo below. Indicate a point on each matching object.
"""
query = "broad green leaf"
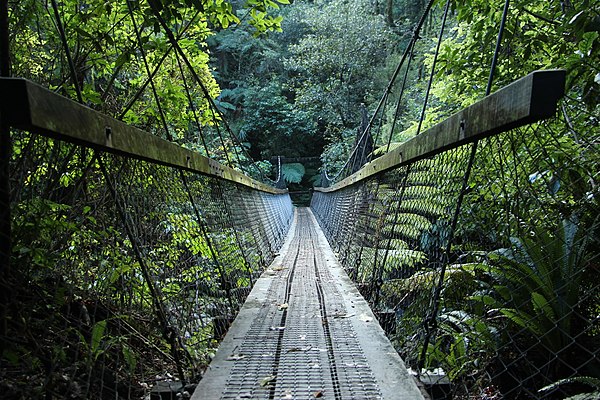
(97, 336)
(540, 304)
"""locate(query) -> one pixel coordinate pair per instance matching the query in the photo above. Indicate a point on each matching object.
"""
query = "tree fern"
(293, 172)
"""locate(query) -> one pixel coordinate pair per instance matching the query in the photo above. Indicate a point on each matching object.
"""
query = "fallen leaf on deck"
(277, 328)
(365, 318)
(293, 349)
(267, 380)
(236, 357)
(343, 315)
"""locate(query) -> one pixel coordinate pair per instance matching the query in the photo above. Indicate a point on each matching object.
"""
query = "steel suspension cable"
(214, 109)
(407, 51)
(209, 242)
(142, 88)
(379, 129)
(431, 321)
(63, 38)
(161, 113)
(86, 54)
(192, 107)
(432, 75)
(400, 97)
(168, 331)
(181, 173)
(157, 67)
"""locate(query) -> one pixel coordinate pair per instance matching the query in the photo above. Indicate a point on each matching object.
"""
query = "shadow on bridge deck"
(305, 332)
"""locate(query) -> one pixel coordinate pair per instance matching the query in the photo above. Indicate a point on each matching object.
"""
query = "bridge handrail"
(28, 106)
(525, 101)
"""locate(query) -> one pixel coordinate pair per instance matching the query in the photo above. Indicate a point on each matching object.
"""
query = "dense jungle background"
(104, 278)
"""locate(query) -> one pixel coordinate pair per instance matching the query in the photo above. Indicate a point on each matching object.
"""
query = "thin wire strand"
(214, 109)
(161, 113)
(193, 108)
(431, 322)
(142, 88)
(65, 43)
(168, 332)
(400, 98)
(432, 74)
(390, 85)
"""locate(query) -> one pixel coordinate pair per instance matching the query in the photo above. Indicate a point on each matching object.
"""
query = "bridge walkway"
(305, 332)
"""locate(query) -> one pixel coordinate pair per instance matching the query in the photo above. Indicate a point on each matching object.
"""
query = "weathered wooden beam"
(530, 99)
(285, 159)
(33, 108)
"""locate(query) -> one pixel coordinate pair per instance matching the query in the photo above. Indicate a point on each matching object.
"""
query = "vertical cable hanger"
(157, 67)
(217, 114)
(148, 71)
(170, 137)
(63, 38)
(168, 331)
(405, 55)
(431, 322)
(193, 107)
(400, 96)
(432, 74)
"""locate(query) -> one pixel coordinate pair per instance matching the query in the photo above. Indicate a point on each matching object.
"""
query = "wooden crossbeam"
(33, 108)
(528, 100)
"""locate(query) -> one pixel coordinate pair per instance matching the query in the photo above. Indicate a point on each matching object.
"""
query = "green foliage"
(538, 36)
(81, 286)
(587, 380)
(463, 345)
(537, 283)
(94, 349)
(296, 90)
(112, 66)
(130, 358)
(292, 172)
(273, 127)
(332, 65)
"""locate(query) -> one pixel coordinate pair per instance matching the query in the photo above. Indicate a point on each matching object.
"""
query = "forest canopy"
(292, 79)
(127, 271)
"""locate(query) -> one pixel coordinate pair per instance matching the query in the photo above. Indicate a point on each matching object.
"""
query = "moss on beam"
(33, 108)
(525, 101)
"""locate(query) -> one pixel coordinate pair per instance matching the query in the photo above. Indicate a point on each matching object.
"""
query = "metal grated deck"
(304, 333)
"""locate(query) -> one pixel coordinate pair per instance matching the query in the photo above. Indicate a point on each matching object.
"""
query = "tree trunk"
(389, 13)
(375, 6)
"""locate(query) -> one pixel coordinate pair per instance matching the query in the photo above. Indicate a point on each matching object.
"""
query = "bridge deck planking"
(305, 332)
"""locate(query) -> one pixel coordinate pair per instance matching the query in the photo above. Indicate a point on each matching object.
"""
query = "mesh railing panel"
(506, 305)
(124, 272)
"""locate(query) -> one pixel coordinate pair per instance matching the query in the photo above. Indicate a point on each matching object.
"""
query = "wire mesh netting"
(481, 262)
(505, 305)
(124, 272)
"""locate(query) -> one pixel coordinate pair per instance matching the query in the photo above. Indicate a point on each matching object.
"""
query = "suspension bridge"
(379, 290)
